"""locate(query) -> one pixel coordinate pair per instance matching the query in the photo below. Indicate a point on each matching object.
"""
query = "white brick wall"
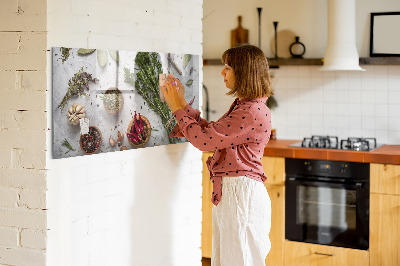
(137, 207)
(23, 132)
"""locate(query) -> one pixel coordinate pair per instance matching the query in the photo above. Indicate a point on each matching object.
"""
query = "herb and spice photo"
(106, 100)
(113, 100)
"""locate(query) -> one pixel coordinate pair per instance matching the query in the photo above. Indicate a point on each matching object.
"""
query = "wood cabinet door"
(385, 178)
(384, 236)
(277, 233)
(206, 232)
(305, 254)
(274, 168)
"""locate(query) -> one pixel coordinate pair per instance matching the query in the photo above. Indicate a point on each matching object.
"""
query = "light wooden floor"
(206, 261)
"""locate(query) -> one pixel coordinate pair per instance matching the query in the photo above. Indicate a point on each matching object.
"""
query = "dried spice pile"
(138, 130)
(65, 53)
(76, 86)
(147, 85)
(91, 142)
(112, 100)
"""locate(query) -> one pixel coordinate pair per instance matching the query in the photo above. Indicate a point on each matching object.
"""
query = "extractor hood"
(341, 51)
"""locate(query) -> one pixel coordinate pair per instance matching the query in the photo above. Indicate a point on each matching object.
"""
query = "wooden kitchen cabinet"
(305, 254)
(277, 233)
(274, 168)
(385, 178)
(206, 226)
(384, 236)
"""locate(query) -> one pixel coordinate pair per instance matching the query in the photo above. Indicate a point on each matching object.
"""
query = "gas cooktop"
(332, 142)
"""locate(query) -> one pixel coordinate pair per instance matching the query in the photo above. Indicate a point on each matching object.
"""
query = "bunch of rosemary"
(76, 86)
(66, 144)
(147, 85)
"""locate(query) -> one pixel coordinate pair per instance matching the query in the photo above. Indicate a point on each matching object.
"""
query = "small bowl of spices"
(113, 100)
(139, 131)
(90, 143)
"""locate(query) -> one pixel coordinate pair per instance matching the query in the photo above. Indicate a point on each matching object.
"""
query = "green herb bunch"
(66, 144)
(76, 86)
(64, 53)
(147, 85)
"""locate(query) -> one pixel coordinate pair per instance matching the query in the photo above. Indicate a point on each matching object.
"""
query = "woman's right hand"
(181, 91)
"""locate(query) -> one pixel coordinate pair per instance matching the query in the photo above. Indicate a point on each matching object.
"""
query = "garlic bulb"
(120, 138)
(75, 112)
(123, 148)
(112, 141)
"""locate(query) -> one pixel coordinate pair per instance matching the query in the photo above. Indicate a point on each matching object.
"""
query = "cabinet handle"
(325, 254)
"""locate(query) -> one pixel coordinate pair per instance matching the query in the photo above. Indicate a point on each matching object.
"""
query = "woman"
(242, 208)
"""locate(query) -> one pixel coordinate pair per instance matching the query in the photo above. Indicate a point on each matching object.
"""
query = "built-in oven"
(327, 202)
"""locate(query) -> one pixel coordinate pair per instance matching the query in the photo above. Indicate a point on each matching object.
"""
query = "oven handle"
(357, 185)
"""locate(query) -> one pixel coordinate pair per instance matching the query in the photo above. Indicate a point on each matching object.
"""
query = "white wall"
(136, 207)
(344, 103)
(23, 133)
(305, 18)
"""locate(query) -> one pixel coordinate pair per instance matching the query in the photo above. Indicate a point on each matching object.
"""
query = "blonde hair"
(250, 66)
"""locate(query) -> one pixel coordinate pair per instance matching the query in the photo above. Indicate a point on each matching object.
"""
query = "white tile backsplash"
(380, 71)
(380, 84)
(394, 110)
(381, 96)
(343, 103)
(381, 110)
(394, 137)
(342, 109)
(368, 110)
(367, 96)
(394, 83)
(394, 123)
(393, 71)
(394, 97)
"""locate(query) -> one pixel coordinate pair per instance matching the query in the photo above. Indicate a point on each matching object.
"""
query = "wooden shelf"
(274, 63)
(380, 61)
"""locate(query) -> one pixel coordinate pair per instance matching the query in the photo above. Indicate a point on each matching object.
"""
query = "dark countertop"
(389, 154)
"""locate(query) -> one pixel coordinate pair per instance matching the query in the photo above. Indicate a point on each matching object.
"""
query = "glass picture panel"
(109, 100)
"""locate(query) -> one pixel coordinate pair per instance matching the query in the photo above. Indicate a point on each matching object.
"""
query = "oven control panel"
(338, 169)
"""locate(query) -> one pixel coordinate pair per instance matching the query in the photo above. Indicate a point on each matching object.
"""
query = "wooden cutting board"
(239, 35)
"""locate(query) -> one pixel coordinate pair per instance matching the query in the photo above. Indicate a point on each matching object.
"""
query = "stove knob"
(343, 168)
(308, 166)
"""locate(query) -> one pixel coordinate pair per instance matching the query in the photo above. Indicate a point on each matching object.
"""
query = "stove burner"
(332, 142)
(358, 144)
(328, 142)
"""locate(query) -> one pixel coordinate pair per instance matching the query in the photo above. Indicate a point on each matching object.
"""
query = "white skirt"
(241, 223)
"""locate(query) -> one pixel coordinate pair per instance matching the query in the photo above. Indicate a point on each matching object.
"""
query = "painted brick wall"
(23, 132)
(137, 207)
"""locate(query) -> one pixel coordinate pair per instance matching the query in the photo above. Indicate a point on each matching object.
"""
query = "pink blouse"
(238, 139)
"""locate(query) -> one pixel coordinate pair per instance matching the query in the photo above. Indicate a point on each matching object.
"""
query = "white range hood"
(341, 51)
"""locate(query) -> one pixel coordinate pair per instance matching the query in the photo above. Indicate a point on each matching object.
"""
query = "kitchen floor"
(206, 261)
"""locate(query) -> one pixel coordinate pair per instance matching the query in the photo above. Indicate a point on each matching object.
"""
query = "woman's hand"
(173, 94)
(181, 91)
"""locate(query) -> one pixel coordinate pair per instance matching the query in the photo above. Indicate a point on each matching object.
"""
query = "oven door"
(327, 213)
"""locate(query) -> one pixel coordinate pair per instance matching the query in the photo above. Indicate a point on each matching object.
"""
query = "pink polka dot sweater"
(238, 139)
